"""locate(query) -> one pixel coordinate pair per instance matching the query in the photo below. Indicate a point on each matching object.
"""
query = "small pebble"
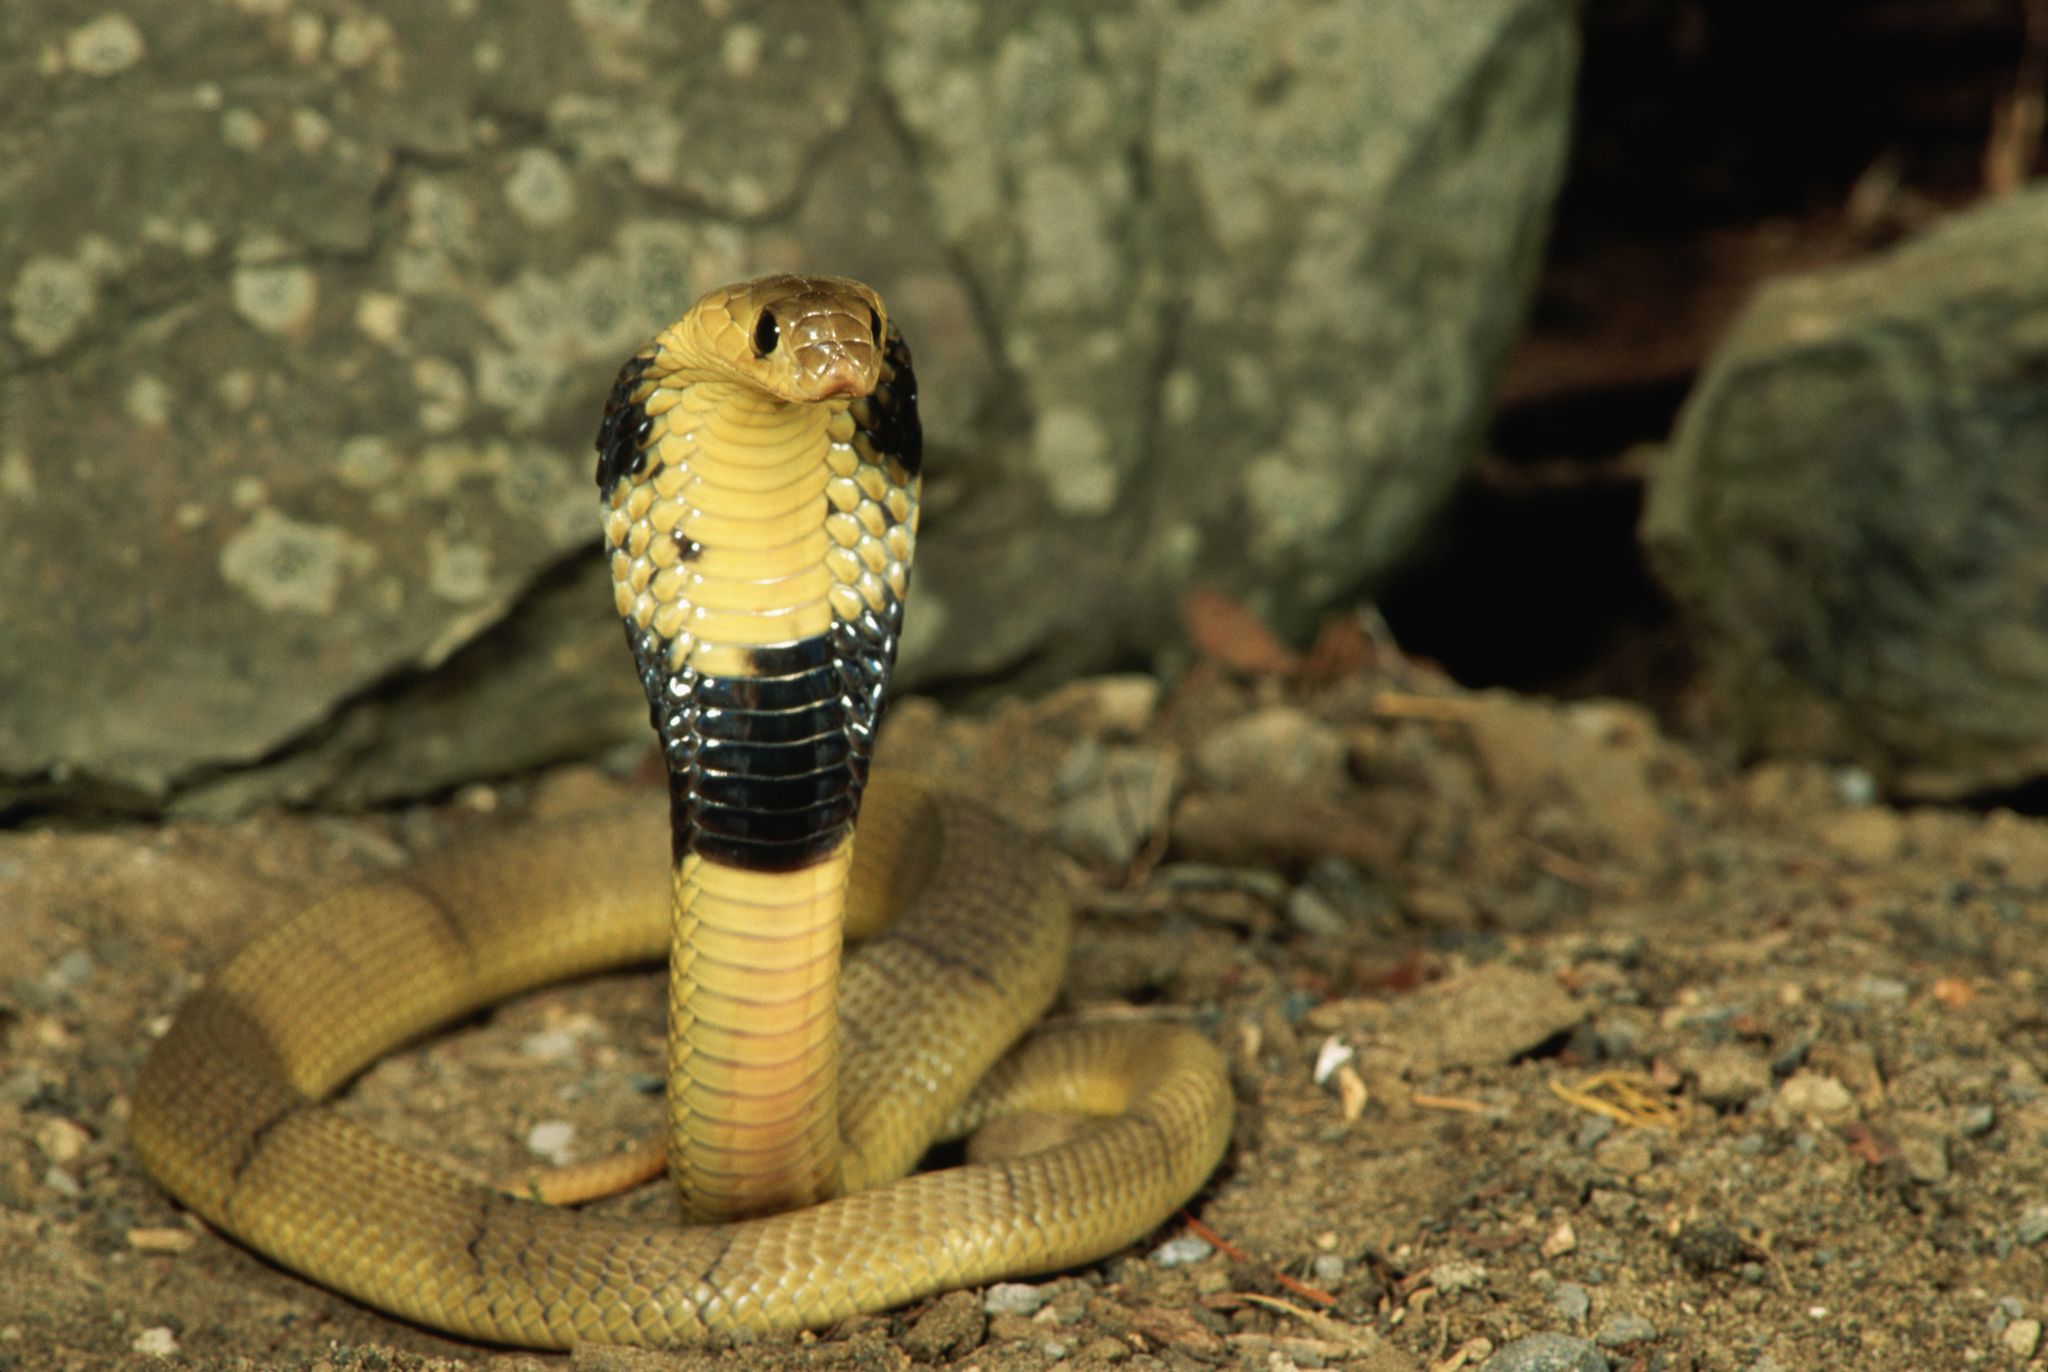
(2033, 1225)
(1591, 1132)
(1624, 1329)
(1730, 1075)
(1977, 1121)
(1547, 1353)
(1180, 1252)
(62, 1182)
(1625, 1155)
(159, 1239)
(550, 1139)
(1807, 1094)
(1277, 746)
(1014, 1298)
(1314, 915)
(1884, 990)
(1327, 1269)
(21, 1086)
(62, 1140)
(1559, 1241)
(1855, 786)
(549, 1045)
(1572, 1301)
(1333, 1054)
(74, 969)
(1792, 1056)
(1453, 1277)
(2021, 1338)
(156, 1342)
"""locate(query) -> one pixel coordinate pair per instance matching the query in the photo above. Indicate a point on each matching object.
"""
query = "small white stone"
(1183, 1251)
(156, 1342)
(51, 298)
(1013, 1298)
(550, 1139)
(109, 44)
(2021, 1338)
(276, 299)
(1333, 1054)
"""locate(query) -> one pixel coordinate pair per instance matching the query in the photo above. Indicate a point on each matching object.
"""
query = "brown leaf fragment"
(1225, 631)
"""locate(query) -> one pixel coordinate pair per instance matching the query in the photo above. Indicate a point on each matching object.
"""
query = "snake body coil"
(759, 466)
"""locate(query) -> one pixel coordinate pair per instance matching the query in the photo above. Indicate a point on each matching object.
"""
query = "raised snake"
(759, 464)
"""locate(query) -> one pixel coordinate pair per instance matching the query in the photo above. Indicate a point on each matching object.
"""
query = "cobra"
(759, 464)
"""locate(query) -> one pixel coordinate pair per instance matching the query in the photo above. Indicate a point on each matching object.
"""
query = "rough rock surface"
(1854, 510)
(306, 313)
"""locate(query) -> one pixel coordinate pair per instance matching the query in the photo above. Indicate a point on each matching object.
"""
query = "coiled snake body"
(759, 466)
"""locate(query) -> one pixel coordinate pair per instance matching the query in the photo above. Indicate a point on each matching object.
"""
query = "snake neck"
(760, 551)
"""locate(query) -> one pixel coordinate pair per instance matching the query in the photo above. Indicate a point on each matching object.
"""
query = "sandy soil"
(1688, 1069)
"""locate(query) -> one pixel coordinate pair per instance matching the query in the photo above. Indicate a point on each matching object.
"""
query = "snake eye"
(875, 325)
(767, 333)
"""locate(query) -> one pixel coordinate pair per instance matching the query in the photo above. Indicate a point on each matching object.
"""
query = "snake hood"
(759, 466)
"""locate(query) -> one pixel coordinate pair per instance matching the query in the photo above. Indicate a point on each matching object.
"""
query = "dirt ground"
(1541, 1025)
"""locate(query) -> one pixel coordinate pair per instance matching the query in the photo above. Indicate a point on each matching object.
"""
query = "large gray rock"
(1854, 510)
(307, 320)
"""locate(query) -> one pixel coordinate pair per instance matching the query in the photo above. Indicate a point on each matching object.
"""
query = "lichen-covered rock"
(306, 315)
(1854, 510)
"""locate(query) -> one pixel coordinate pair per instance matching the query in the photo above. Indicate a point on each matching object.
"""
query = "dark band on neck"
(766, 771)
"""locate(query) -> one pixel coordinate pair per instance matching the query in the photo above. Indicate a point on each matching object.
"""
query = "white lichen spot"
(306, 35)
(50, 301)
(208, 96)
(1177, 551)
(189, 515)
(437, 215)
(311, 130)
(740, 49)
(1180, 397)
(1071, 454)
(601, 315)
(358, 38)
(276, 299)
(444, 393)
(1293, 505)
(444, 469)
(746, 194)
(456, 571)
(237, 389)
(248, 492)
(242, 129)
(1068, 256)
(366, 462)
(488, 56)
(287, 566)
(619, 16)
(381, 316)
(529, 314)
(17, 476)
(520, 384)
(147, 401)
(197, 238)
(104, 47)
(422, 271)
(540, 189)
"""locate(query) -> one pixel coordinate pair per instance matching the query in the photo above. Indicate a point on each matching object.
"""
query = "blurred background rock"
(307, 311)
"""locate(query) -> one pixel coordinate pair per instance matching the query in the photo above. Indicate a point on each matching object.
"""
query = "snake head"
(799, 338)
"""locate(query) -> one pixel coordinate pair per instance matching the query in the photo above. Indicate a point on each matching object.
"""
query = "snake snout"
(833, 355)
